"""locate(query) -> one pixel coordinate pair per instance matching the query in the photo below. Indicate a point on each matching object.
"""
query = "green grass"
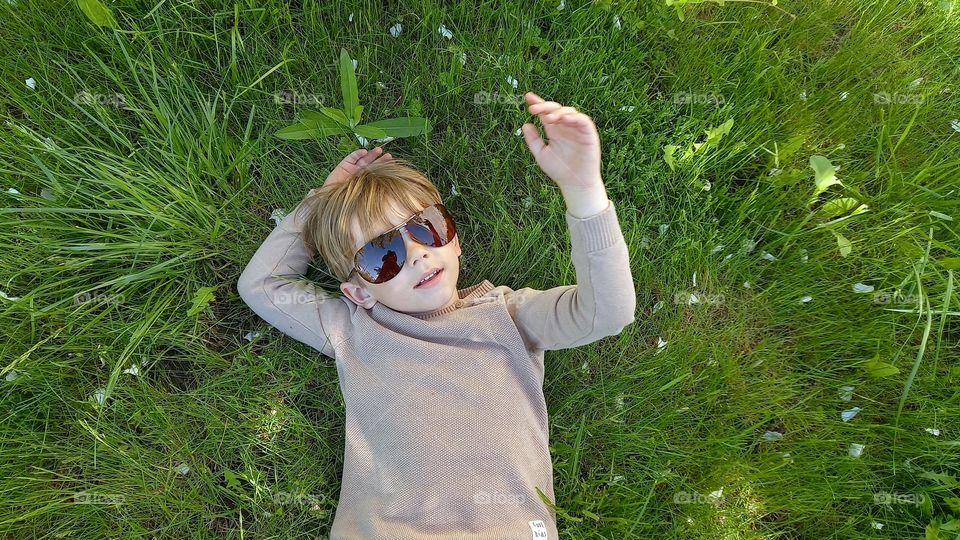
(141, 207)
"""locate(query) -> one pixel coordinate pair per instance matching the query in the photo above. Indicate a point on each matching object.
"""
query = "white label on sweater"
(539, 530)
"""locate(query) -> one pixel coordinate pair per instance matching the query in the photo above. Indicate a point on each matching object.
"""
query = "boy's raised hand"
(355, 161)
(572, 156)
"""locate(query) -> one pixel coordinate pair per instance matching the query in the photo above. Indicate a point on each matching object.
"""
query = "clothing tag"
(539, 530)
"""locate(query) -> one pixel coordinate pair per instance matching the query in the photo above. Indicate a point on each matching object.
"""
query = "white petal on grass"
(876, 525)
(445, 32)
(384, 140)
(661, 344)
(31, 83)
(846, 393)
(99, 395)
(519, 131)
(511, 81)
(560, 8)
(693, 299)
(628, 108)
(354, 64)
(183, 468)
(616, 22)
(955, 124)
(840, 146)
(806, 299)
(803, 95)
(453, 190)
(350, 18)
(12, 375)
(772, 436)
(694, 279)
(585, 367)
(862, 288)
(463, 57)
(10, 298)
(657, 306)
(617, 479)
(716, 249)
(746, 285)
(250, 336)
(843, 95)
(916, 82)
(396, 29)
(786, 457)
(133, 370)
(803, 256)
(748, 245)
(727, 258)
(663, 228)
(855, 450)
(774, 172)
(768, 256)
(362, 140)
(848, 414)
(933, 431)
(277, 215)
(716, 494)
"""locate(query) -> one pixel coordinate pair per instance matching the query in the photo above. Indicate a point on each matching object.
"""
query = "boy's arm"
(602, 302)
(274, 287)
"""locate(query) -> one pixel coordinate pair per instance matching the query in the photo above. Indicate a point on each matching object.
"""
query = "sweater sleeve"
(274, 286)
(602, 302)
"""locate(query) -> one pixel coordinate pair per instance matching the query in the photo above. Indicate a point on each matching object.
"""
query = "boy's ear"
(358, 295)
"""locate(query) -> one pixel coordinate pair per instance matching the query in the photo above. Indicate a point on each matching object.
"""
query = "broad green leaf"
(845, 245)
(944, 479)
(231, 478)
(402, 126)
(668, 151)
(953, 503)
(950, 263)
(309, 130)
(357, 114)
(334, 114)
(370, 132)
(715, 134)
(98, 13)
(201, 300)
(824, 173)
(841, 206)
(348, 86)
(877, 368)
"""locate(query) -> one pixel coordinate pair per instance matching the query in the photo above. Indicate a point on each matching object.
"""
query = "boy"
(446, 424)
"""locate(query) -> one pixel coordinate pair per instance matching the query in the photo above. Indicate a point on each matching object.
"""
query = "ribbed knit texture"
(446, 423)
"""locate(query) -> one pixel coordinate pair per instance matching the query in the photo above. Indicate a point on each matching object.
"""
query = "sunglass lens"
(382, 258)
(434, 228)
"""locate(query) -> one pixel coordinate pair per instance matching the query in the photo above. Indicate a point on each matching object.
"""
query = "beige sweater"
(446, 424)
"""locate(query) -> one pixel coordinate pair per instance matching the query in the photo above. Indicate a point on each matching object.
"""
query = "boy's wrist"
(584, 203)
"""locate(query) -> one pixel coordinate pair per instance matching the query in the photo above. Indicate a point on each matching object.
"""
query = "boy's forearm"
(588, 202)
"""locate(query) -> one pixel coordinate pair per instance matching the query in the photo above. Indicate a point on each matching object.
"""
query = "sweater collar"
(467, 293)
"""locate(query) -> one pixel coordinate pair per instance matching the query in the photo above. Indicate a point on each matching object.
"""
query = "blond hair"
(365, 196)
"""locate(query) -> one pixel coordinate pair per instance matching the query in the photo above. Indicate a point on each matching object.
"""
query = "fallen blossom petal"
(277, 215)
(772, 436)
(876, 525)
(660, 345)
(183, 468)
(616, 22)
(848, 414)
(628, 108)
(31, 83)
(846, 393)
(10, 298)
(933, 431)
(955, 124)
(12, 375)
(350, 18)
(855, 450)
(716, 249)
(768, 256)
(806, 299)
(862, 288)
(133, 370)
(445, 32)
(99, 395)
(663, 228)
(746, 285)
(511, 81)
(396, 29)
(657, 306)
(843, 95)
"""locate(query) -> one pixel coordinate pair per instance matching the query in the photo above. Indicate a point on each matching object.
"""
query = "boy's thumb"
(534, 142)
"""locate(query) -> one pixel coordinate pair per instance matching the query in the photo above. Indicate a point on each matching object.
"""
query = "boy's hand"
(572, 157)
(355, 161)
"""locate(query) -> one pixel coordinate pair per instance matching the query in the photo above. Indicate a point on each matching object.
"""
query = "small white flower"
(14, 193)
(384, 140)
(133, 370)
(692, 299)
(848, 414)
(277, 215)
(560, 8)
(955, 124)
(803, 95)
(862, 288)
(453, 190)
(350, 18)
(511, 81)
(716, 494)
(519, 131)
(354, 63)
(657, 306)
(31, 83)
(843, 95)
(396, 29)
(746, 285)
(855, 450)
(616, 22)
(445, 32)
(617, 479)
(772, 436)
(916, 82)
(12, 375)
(716, 249)
(250, 336)
(706, 186)
(663, 228)
(933, 431)
(877, 525)
(768, 256)
(10, 298)
(806, 299)
(183, 468)
(660, 345)
(846, 393)
(628, 108)
(100, 395)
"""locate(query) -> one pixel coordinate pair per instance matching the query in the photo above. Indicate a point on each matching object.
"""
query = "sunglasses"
(382, 258)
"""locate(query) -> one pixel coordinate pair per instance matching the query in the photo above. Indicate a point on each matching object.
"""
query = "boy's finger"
(532, 98)
(557, 114)
(532, 138)
(543, 107)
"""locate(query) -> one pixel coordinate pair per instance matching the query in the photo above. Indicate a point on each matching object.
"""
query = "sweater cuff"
(598, 231)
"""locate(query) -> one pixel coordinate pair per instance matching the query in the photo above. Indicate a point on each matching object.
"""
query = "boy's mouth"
(430, 279)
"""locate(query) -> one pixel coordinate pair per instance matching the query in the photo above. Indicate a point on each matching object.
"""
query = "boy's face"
(399, 293)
